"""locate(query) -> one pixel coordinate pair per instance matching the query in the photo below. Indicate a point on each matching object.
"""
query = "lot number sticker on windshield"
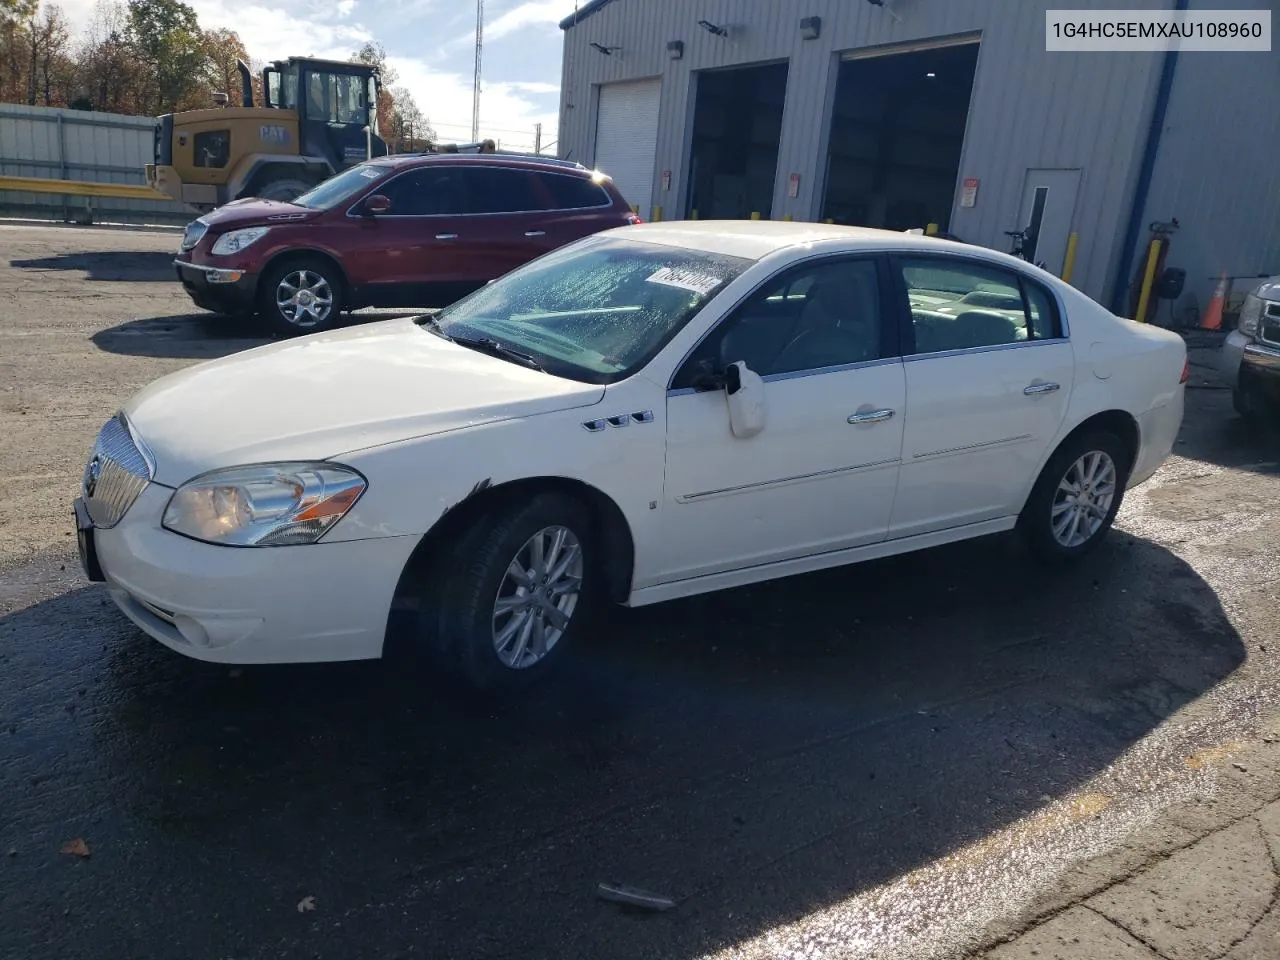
(685, 280)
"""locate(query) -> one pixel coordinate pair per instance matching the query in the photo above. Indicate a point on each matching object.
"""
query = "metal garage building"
(899, 113)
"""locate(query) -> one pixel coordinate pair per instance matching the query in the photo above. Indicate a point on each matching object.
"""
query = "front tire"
(510, 601)
(300, 296)
(283, 190)
(1076, 498)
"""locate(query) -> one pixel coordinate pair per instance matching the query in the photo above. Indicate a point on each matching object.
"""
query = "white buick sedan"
(650, 413)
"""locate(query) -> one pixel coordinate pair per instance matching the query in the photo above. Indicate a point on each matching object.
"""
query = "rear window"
(574, 193)
(498, 190)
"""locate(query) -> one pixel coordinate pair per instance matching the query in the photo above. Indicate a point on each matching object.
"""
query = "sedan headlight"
(237, 240)
(268, 505)
(1250, 314)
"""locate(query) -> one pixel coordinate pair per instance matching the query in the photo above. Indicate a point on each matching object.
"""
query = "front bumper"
(220, 289)
(301, 604)
(1246, 364)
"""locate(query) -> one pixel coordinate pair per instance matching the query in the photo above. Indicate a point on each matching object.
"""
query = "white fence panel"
(61, 144)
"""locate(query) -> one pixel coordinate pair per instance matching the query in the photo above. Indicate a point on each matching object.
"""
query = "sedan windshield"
(335, 190)
(595, 311)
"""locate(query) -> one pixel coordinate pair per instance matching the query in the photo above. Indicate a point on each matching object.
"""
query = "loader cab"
(335, 101)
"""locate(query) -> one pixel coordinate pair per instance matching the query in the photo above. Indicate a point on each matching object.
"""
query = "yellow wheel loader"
(320, 117)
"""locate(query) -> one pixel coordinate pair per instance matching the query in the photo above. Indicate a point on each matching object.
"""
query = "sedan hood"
(324, 395)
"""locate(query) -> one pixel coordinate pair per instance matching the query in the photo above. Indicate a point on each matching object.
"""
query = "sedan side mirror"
(744, 390)
(376, 204)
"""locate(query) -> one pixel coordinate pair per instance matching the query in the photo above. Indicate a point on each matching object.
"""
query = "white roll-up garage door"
(627, 138)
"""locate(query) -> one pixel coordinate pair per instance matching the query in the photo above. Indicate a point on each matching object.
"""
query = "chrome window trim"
(799, 374)
(966, 351)
(608, 205)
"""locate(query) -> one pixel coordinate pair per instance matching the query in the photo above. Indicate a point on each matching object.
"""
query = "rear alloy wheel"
(513, 594)
(301, 296)
(1075, 501)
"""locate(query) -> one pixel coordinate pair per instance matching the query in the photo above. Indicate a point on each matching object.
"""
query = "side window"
(1043, 309)
(212, 148)
(573, 193)
(424, 193)
(961, 305)
(824, 315)
(499, 190)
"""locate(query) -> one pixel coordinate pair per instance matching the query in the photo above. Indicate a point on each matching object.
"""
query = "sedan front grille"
(116, 474)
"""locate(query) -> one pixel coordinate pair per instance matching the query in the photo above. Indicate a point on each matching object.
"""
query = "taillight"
(634, 218)
(1186, 371)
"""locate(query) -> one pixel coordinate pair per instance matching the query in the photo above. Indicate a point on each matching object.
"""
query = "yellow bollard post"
(693, 215)
(787, 218)
(1148, 279)
(1069, 264)
(931, 229)
(755, 215)
(657, 214)
(832, 222)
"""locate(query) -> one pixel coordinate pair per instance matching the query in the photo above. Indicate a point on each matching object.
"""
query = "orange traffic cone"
(1212, 319)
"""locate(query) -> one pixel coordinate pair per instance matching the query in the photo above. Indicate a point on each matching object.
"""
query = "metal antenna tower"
(475, 101)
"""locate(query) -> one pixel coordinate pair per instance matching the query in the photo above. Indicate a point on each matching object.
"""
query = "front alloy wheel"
(304, 299)
(537, 597)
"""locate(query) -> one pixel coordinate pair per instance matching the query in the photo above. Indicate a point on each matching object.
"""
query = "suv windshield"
(595, 311)
(336, 189)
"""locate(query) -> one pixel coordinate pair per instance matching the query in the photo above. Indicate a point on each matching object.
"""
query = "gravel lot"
(872, 763)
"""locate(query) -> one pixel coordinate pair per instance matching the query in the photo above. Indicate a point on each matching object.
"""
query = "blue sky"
(431, 45)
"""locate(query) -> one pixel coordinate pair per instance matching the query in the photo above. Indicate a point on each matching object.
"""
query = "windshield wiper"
(494, 348)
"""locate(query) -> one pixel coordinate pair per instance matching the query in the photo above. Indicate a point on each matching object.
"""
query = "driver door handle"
(1039, 388)
(871, 416)
(446, 236)
(535, 233)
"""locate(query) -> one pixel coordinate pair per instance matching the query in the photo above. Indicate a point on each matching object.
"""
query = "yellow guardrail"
(82, 188)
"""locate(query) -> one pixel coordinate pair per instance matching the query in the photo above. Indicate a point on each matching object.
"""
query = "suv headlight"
(266, 505)
(1250, 314)
(237, 240)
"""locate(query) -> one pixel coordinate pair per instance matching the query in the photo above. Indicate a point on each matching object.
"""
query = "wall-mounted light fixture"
(710, 27)
(675, 49)
(811, 28)
(607, 51)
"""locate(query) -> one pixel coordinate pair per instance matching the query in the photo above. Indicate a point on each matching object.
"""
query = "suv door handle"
(872, 416)
(1038, 388)
(535, 233)
(446, 236)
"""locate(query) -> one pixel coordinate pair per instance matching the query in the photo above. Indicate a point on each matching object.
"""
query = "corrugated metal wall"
(1030, 108)
(79, 145)
(1217, 167)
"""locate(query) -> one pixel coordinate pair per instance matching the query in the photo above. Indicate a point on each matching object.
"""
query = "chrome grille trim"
(117, 472)
(193, 234)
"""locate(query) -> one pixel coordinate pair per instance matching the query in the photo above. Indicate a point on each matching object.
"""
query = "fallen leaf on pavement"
(76, 847)
(306, 904)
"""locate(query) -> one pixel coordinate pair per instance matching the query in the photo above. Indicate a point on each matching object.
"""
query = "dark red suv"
(406, 231)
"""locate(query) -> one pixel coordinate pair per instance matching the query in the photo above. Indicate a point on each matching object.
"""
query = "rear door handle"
(535, 233)
(872, 416)
(446, 236)
(1038, 388)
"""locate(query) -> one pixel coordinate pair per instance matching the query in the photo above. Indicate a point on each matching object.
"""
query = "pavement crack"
(1139, 941)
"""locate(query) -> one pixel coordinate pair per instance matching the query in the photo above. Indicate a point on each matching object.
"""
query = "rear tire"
(302, 295)
(508, 602)
(1076, 498)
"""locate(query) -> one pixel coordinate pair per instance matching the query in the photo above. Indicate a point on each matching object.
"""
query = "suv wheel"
(301, 296)
(283, 190)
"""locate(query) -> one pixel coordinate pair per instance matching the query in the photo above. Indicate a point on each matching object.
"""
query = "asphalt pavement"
(887, 761)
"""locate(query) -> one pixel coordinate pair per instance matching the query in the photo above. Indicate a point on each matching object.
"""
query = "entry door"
(821, 475)
(627, 138)
(989, 376)
(1048, 208)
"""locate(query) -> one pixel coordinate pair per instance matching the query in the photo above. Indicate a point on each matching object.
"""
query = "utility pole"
(537, 139)
(475, 102)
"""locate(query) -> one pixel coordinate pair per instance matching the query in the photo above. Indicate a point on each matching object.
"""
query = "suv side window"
(963, 305)
(426, 192)
(500, 190)
(573, 193)
(813, 317)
